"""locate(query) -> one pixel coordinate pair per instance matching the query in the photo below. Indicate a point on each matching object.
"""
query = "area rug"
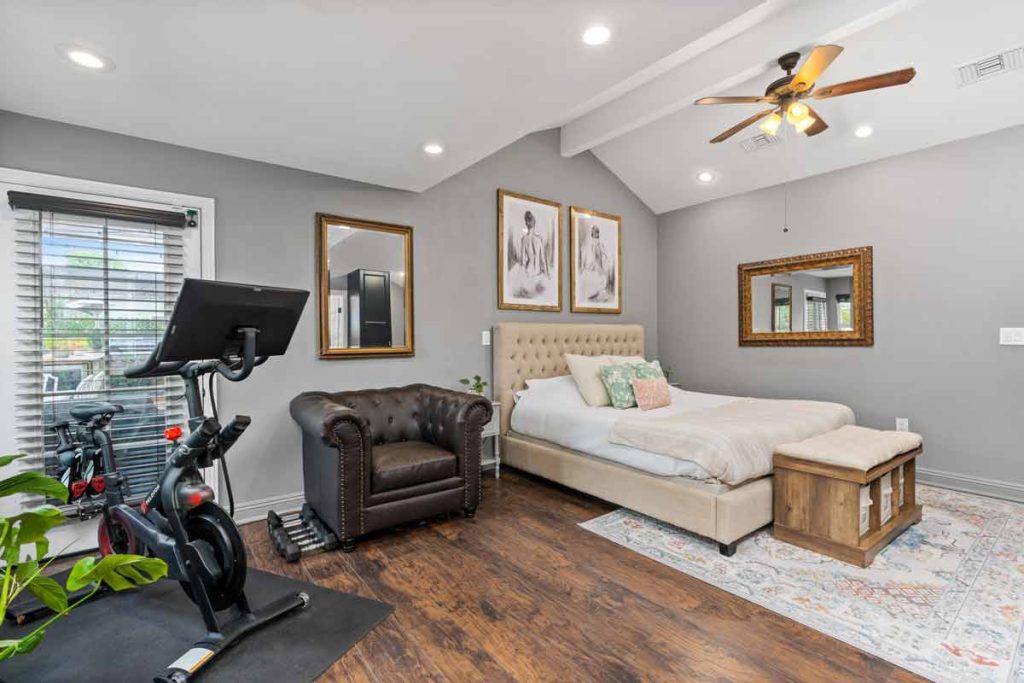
(134, 635)
(944, 600)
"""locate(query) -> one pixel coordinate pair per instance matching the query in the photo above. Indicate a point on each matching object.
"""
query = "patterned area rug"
(944, 600)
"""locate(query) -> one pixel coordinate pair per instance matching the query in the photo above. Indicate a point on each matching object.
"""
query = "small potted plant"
(474, 384)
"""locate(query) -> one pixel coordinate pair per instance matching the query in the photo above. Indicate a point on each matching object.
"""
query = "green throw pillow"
(650, 370)
(618, 380)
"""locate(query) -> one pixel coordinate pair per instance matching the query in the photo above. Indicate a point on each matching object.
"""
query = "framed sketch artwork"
(529, 253)
(595, 272)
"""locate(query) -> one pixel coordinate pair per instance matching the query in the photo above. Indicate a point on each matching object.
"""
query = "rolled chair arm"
(449, 414)
(319, 415)
(336, 457)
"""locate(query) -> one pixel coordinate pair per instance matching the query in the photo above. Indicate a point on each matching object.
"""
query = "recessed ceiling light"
(84, 57)
(597, 35)
(705, 176)
(433, 148)
(864, 131)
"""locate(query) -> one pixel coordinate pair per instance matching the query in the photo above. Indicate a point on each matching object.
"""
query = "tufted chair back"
(418, 412)
(525, 351)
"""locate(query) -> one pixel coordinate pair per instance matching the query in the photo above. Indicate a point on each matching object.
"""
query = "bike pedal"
(78, 488)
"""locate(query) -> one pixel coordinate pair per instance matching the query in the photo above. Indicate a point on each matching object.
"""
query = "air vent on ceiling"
(968, 74)
(759, 142)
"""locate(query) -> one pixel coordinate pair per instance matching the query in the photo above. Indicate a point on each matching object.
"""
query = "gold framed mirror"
(820, 299)
(365, 288)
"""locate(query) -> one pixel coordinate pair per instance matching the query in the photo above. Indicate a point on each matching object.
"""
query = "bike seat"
(87, 411)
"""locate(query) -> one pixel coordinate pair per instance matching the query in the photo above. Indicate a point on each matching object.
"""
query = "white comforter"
(553, 410)
(733, 442)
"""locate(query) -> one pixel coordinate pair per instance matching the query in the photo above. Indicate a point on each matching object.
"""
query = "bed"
(669, 489)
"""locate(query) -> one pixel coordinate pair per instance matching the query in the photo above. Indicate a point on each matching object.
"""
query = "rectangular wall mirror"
(365, 288)
(812, 300)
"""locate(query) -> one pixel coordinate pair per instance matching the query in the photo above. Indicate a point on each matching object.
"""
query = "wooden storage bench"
(818, 504)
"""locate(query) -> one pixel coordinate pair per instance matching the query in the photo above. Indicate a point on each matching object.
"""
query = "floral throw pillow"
(651, 393)
(650, 370)
(618, 381)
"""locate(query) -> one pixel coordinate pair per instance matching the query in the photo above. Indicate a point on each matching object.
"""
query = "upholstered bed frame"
(535, 350)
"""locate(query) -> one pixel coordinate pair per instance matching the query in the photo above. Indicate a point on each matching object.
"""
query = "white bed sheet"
(556, 412)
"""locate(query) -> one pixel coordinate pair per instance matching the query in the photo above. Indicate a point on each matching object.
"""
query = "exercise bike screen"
(208, 314)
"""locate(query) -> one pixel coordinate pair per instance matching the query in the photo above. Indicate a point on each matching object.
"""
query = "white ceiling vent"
(759, 142)
(987, 67)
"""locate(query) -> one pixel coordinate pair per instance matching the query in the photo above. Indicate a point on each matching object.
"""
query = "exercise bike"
(240, 326)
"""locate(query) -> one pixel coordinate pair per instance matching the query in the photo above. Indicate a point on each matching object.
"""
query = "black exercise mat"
(134, 635)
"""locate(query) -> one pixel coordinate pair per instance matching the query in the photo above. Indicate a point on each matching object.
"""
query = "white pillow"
(586, 374)
(618, 360)
(544, 382)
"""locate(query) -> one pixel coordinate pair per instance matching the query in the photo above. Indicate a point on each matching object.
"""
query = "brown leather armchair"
(375, 458)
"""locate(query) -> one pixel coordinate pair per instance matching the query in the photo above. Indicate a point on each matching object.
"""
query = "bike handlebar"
(234, 371)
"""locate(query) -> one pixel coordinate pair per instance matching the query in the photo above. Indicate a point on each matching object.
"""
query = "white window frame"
(819, 295)
(73, 537)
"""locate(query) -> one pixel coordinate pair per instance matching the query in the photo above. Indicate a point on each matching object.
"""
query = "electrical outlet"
(485, 337)
(902, 424)
(1011, 336)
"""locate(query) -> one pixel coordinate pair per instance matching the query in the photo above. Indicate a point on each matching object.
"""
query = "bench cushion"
(858, 448)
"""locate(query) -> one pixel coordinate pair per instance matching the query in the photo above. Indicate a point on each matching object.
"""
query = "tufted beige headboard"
(525, 351)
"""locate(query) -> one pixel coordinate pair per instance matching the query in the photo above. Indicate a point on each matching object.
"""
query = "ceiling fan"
(786, 94)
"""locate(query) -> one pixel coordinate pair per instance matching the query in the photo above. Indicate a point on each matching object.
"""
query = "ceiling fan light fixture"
(771, 124)
(797, 112)
(804, 123)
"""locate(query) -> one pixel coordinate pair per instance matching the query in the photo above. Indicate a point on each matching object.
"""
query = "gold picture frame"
(863, 332)
(576, 277)
(326, 351)
(542, 282)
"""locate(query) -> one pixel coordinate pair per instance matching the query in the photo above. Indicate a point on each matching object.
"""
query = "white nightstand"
(493, 429)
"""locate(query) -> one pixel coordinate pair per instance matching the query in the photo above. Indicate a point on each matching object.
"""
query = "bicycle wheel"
(115, 535)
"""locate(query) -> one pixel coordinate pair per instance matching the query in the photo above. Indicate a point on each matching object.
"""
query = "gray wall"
(947, 227)
(264, 233)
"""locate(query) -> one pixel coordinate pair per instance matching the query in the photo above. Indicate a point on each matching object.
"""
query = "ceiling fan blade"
(816, 63)
(819, 125)
(886, 80)
(751, 99)
(741, 125)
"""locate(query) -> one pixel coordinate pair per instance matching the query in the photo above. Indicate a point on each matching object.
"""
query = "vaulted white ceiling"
(355, 88)
(352, 88)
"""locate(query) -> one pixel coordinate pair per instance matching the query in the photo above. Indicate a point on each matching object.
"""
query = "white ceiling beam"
(745, 48)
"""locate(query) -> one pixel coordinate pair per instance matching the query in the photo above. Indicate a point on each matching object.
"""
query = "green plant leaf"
(29, 642)
(8, 648)
(33, 524)
(120, 572)
(6, 460)
(48, 592)
(33, 482)
(464, 381)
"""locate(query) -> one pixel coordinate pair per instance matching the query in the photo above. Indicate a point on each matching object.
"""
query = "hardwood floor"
(522, 593)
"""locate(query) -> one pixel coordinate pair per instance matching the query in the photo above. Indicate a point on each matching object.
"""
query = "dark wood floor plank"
(720, 616)
(522, 593)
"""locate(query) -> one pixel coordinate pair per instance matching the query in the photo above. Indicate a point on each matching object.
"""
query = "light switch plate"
(1011, 336)
(902, 424)
(485, 337)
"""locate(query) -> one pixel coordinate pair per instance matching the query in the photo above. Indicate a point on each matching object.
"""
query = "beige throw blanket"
(734, 442)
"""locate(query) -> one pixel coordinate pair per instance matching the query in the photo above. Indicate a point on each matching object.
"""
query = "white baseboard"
(256, 510)
(964, 482)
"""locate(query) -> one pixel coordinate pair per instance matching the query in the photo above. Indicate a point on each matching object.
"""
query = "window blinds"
(93, 296)
(815, 314)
